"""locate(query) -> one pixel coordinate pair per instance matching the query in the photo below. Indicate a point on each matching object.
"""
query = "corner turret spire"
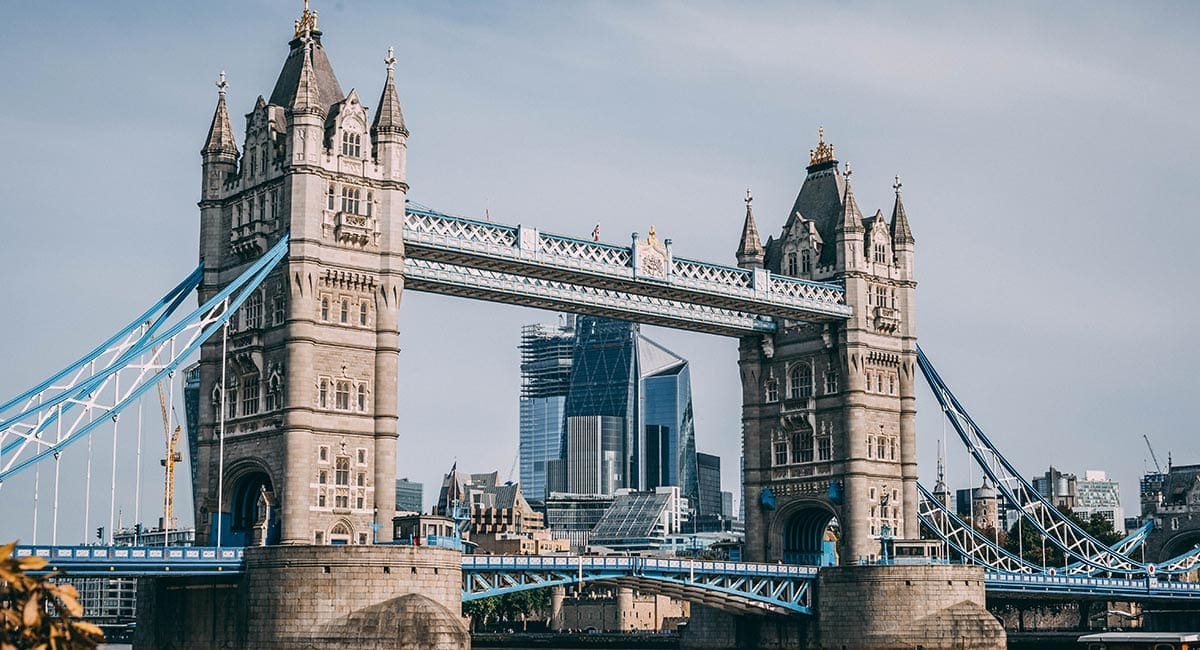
(388, 117)
(220, 133)
(750, 252)
(823, 153)
(901, 233)
(307, 98)
(852, 217)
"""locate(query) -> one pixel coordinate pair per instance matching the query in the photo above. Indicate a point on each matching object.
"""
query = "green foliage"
(1029, 543)
(512, 607)
(36, 613)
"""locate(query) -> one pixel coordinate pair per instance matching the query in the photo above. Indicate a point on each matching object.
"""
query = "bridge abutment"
(868, 608)
(372, 597)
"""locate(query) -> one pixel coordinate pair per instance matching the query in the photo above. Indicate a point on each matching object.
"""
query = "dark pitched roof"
(901, 233)
(750, 247)
(389, 118)
(820, 200)
(220, 132)
(326, 83)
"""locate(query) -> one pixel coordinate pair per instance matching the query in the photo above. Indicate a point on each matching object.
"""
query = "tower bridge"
(308, 240)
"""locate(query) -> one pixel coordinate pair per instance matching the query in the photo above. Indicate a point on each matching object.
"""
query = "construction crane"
(1157, 467)
(173, 457)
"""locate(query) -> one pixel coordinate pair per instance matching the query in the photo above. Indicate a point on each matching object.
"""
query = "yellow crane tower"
(172, 440)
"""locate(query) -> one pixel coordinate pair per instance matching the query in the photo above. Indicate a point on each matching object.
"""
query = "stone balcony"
(355, 229)
(250, 240)
(887, 319)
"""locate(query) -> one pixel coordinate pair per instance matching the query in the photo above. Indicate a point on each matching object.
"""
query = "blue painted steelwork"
(1057, 529)
(737, 586)
(1140, 589)
(81, 394)
(978, 549)
(134, 561)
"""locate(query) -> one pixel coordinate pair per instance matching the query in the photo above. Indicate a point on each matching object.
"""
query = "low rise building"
(640, 521)
(573, 516)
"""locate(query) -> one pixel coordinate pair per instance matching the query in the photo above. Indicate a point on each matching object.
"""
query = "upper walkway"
(643, 281)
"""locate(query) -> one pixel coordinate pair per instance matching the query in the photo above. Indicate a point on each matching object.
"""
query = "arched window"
(362, 314)
(331, 197)
(250, 394)
(324, 308)
(323, 394)
(360, 479)
(323, 478)
(253, 161)
(254, 310)
(350, 199)
(831, 381)
(351, 144)
(791, 268)
(881, 253)
(321, 500)
(370, 200)
(772, 390)
(342, 396)
(800, 381)
(362, 397)
(345, 313)
(341, 475)
(805, 262)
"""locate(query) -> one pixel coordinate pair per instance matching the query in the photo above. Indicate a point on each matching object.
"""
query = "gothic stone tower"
(310, 378)
(828, 410)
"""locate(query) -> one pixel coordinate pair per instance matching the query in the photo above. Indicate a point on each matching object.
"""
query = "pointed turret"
(220, 140)
(389, 135)
(388, 117)
(750, 252)
(307, 98)
(852, 218)
(901, 233)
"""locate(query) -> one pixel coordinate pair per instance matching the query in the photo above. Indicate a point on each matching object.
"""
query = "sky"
(1047, 153)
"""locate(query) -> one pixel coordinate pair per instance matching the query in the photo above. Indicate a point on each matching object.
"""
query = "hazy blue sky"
(1048, 154)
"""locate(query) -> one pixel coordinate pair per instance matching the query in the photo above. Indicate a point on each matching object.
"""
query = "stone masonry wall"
(928, 607)
(313, 596)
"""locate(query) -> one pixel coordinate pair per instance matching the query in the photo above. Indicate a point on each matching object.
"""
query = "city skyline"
(1037, 331)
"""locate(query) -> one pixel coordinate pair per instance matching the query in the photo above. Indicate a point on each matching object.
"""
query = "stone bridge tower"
(308, 405)
(829, 410)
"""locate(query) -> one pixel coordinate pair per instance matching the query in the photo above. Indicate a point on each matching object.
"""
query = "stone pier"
(932, 607)
(362, 597)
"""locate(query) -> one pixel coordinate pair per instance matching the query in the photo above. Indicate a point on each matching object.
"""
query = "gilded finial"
(897, 185)
(823, 153)
(307, 23)
(652, 238)
(222, 85)
(390, 60)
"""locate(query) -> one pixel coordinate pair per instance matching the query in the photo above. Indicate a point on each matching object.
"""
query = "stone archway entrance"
(253, 513)
(810, 537)
(341, 534)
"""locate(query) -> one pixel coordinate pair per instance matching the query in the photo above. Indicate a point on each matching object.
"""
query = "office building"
(601, 407)
(410, 496)
(573, 516)
(707, 510)
(668, 446)
(1096, 494)
(546, 356)
(641, 521)
(1058, 488)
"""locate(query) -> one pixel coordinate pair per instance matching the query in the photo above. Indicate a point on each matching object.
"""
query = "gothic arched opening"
(810, 537)
(253, 514)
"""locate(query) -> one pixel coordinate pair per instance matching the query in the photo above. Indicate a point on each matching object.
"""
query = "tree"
(510, 607)
(1023, 538)
(36, 613)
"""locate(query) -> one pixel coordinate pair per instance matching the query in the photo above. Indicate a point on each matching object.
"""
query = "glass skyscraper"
(546, 354)
(606, 408)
